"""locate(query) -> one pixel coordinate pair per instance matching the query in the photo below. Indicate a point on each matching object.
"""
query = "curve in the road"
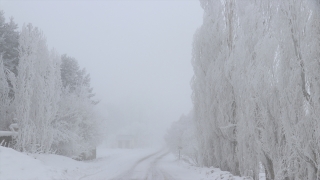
(127, 175)
(127, 172)
(155, 173)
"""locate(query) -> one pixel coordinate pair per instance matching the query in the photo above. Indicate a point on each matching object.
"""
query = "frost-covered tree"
(73, 77)
(255, 85)
(6, 109)
(299, 49)
(77, 126)
(9, 37)
(69, 72)
(181, 137)
(51, 117)
(213, 92)
(50, 100)
(37, 91)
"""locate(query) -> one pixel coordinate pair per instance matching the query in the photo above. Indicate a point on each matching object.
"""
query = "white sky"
(137, 52)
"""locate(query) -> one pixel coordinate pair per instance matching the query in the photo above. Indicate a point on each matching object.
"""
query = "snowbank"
(19, 166)
(15, 165)
(182, 170)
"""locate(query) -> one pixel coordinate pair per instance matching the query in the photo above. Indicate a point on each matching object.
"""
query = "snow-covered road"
(145, 168)
(111, 164)
(148, 164)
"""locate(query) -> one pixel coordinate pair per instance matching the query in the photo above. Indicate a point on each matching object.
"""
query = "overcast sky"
(137, 52)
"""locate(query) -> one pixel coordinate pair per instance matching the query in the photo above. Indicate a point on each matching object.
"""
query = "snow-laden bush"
(77, 127)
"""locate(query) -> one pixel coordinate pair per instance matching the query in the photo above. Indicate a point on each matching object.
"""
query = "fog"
(138, 54)
(255, 89)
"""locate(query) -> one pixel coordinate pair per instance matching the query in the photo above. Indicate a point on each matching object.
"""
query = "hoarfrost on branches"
(53, 116)
(256, 69)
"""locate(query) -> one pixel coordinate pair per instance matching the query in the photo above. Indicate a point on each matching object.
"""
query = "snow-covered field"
(115, 164)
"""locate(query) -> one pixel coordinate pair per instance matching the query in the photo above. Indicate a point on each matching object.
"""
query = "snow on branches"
(256, 87)
(51, 118)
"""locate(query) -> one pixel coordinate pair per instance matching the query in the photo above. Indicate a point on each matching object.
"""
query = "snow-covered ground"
(113, 164)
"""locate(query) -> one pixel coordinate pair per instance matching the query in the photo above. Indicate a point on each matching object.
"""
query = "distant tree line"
(256, 87)
(46, 94)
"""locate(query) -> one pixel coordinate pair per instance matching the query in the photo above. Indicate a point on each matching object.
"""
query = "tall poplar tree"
(256, 87)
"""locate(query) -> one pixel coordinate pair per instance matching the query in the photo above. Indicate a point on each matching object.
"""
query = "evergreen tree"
(6, 106)
(73, 77)
(9, 41)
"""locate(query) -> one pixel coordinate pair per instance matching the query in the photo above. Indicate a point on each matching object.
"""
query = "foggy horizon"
(138, 53)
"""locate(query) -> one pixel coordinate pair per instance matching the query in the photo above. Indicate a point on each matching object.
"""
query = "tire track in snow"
(167, 176)
(126, 173)
(154, 173)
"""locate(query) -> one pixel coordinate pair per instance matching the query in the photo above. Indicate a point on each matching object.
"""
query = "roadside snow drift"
(15, 165)
(110, 164)
(19, 166)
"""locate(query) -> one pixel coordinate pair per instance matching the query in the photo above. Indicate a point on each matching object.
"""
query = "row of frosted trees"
(256, 87)
(53, 115)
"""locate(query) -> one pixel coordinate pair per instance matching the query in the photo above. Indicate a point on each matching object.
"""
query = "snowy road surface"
(111, 164)
(138, 164)
(145, 168)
